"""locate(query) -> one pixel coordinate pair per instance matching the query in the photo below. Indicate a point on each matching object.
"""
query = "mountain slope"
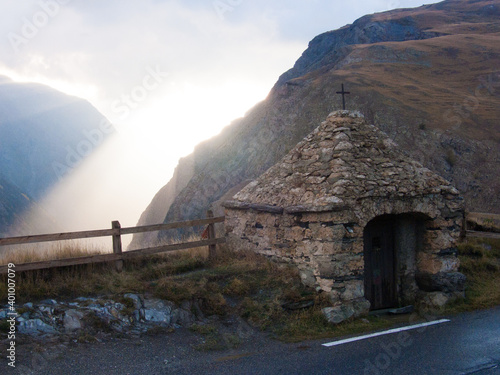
(44, 135)
(12, 202)
(426, 76)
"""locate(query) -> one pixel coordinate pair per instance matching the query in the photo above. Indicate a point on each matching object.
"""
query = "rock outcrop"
(130, 314)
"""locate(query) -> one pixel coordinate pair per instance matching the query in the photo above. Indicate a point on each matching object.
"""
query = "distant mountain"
(12, 202)
(44, 135)
(427, 76)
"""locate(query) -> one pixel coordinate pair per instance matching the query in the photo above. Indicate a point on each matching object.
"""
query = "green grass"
(310, 324)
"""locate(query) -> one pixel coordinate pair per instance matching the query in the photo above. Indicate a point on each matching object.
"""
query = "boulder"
(434, 301)
(138, 303)
(35, 327)
(156, 310)
(447, 282)
(340, 313)
(182, 318)
(72, 320)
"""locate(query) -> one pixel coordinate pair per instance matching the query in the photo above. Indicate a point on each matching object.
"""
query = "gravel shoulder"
(469, 343)
(181, 351)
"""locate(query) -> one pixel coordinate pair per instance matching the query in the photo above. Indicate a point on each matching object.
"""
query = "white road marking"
(395, 330)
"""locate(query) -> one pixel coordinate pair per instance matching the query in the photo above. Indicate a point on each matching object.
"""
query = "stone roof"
(342, 160)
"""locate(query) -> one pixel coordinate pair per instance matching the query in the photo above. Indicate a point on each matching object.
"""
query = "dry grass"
(139, 274)
(18, 254)
(245, 284)
(44, 251)
(241, 283)
(480, 262)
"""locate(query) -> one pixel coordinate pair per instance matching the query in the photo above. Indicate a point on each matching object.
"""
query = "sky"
(167, 73)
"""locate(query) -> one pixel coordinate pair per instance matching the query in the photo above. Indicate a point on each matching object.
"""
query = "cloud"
(109, 44)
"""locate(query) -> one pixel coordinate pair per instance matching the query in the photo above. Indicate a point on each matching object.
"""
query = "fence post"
(212, 249)
(463, 231)
(117, 245)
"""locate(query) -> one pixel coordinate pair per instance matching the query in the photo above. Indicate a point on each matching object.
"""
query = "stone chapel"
(360, 219)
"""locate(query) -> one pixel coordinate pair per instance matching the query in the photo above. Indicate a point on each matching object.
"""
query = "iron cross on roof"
(343, 92)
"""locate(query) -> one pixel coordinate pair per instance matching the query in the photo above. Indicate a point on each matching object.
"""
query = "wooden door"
(379, 254)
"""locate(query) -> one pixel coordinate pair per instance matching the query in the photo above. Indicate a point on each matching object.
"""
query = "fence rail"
(116, 232)
(476, 217)
(118, 256)
(473, 233)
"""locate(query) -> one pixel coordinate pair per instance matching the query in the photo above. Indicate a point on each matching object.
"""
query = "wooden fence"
(466, 232)
(116, 232)
(473, 233)
(118, 256)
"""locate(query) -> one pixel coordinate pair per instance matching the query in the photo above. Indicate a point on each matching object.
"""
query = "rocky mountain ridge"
(428, 77)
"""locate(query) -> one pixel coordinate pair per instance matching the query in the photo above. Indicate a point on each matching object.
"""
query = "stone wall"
(328, 246)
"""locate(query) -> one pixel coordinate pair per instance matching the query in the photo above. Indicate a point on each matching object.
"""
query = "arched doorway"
(391, 243)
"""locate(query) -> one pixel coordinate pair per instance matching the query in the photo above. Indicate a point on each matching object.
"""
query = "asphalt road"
(468, 344)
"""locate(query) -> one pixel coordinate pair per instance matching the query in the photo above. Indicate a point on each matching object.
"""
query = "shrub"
(450, 157)
(237, 288)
